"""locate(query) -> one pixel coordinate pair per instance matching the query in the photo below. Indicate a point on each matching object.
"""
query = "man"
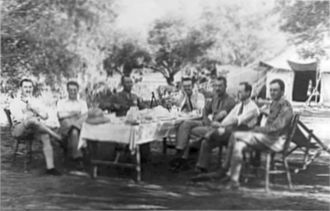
(188, 100)
(219, 107)
(122, 101)
(242, 117)
(27, 113)
(70, 114)
(271, 136)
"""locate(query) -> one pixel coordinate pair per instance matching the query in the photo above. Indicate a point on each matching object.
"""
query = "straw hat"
(95, 116)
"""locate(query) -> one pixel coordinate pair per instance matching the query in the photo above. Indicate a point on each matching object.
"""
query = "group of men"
(27, 113)
(223, 122)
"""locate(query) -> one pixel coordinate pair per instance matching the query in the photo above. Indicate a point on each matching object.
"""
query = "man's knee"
(33, 122)
(74, 132)
(239, 146)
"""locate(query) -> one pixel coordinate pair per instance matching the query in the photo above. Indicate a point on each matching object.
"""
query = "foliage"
(308, 24)
(123, 58)
(43, 37)
(241, 39)
(174, 46)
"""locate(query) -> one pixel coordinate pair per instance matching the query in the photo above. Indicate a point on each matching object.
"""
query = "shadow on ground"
(161, 189)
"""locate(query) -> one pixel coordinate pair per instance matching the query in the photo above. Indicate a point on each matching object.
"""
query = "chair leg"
(220, 156)
(164, 145)
(15, 151)
(28, 155)
(287, 171)
(268, 160)
(138, 164)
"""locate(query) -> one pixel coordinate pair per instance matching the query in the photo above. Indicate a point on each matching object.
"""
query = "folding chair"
(306, 144)
(27, 141)
(270, 162)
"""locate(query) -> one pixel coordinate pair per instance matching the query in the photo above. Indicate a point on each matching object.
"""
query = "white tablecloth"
(127, 134)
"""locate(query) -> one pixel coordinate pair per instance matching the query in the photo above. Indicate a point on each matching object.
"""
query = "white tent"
(297, 73)
(325, 82)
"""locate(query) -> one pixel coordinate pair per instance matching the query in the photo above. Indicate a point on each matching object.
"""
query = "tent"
(236, 74)
(325, 82)
(297, 75)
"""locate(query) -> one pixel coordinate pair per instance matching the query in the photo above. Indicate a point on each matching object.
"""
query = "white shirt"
(19, 111)
(248, 117)
(67, 105)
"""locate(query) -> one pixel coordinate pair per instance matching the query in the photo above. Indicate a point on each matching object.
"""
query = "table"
(132, 135)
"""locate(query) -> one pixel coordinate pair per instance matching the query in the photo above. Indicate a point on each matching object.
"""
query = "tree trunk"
(170, 79)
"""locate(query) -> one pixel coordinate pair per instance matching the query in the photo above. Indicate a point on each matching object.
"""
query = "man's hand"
(208, 134)
(215, 124)
(221, 130)
(30, 108)
(75, 113)
(264, 110)
(220, 115)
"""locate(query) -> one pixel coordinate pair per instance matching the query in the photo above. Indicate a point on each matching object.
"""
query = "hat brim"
(97, 120)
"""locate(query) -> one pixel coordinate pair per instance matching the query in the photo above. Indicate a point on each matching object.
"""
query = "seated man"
(271, 136)
(122, 101)
(69, 112)
(188, 100)
(219, 107)
(27, 111)
(242, 117)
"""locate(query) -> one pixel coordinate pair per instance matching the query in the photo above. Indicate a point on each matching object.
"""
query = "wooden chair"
(27, 141)
(284, 156)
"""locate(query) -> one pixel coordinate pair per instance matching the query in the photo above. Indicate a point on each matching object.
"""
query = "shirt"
(248, 117)
(19, 111)
(124, 99)
(197, 101)
(67, 105)
(279, 118)
(218, 104)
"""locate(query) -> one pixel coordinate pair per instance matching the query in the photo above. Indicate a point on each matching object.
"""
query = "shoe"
(181, 164)
(201, 178)
(175, 161)
(200, 170)
(209, 176)
(232, 185)
(53, 172)
(79, 164)
(225, 180)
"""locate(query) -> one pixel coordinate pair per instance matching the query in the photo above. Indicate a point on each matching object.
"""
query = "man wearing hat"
(70, 113)
(27, 113)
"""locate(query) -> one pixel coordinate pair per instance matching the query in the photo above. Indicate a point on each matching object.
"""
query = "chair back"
(8, 114)
(291, 131)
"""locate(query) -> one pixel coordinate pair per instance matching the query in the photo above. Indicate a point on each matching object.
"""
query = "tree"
(51, 38)
(308, 24)
(124, 57)
(241, 38)
(174, 45)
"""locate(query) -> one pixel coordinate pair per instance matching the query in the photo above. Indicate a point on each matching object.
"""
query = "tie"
(240, 109)
(190, 104)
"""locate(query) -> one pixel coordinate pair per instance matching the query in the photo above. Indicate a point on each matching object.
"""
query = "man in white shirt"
(26, 112)
(70, 113)
(188, 100)
(243, 116)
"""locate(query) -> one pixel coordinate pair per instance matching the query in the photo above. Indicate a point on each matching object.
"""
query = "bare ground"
(116, 189)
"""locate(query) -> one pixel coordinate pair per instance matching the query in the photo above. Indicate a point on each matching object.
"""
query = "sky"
(136, 15)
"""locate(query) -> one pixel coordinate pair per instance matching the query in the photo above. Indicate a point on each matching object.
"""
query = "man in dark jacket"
(122, 101)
